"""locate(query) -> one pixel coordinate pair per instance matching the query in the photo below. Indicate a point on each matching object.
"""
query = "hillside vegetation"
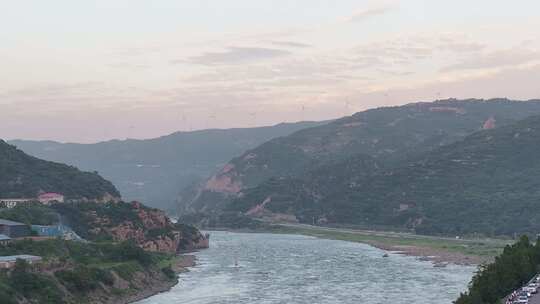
(76, 272)
(486, 183)
(31, 214)
(25, 176)
(512, 269)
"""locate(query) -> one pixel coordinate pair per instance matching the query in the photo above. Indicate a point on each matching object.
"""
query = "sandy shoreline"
(431, 254)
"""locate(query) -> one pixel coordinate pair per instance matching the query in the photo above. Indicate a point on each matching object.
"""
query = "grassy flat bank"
(437, 249)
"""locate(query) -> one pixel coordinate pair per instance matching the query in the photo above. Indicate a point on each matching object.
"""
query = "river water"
(298, 269)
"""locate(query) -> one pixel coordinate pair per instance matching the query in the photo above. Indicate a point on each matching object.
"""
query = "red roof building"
(47, 198)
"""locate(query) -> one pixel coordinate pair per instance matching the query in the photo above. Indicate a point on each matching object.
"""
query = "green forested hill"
(487, 183)
(22, 175)
(305, 196)
(389, 136)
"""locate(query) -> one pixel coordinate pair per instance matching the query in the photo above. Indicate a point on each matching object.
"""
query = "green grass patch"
(127, 270)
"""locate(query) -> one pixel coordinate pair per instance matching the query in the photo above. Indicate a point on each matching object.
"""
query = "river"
(299, 269)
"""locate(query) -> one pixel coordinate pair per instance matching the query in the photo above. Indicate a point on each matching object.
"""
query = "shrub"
(84, 279)
(34, 286)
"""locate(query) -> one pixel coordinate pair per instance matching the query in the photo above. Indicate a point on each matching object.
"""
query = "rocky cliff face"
(149, 228)
(157, 232)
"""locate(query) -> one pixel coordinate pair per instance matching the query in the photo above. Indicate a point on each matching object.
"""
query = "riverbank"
(439, 250)
(179, 264)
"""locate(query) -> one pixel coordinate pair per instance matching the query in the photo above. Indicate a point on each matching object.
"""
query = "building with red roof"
(47, 198)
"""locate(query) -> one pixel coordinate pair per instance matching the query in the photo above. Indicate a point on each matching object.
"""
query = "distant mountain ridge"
(24, 176)
(154, 170)
(309, 175)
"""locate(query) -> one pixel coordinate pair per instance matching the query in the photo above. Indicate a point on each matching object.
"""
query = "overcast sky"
(88, 70)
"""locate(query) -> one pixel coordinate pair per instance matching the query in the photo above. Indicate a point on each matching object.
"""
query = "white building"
(12, 202)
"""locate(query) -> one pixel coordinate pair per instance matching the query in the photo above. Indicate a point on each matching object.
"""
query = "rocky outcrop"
(224, 181)
(176, 243)
(149, 228)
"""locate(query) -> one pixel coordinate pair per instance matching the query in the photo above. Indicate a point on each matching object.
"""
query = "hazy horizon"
(239, 127)
(163, 135)
(100, 70)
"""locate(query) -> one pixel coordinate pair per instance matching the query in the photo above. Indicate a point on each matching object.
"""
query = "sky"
(93, 70)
